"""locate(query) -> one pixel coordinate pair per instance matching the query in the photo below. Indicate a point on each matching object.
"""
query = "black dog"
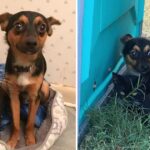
(136, 52)
(134, 90)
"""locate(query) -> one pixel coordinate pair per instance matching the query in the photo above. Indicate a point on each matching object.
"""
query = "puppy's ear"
(52, 21)
(4, 19)
(126, 38)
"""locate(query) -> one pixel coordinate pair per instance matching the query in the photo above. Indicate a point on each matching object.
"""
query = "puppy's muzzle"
(29, 46)
(144, 69)
(31, 43)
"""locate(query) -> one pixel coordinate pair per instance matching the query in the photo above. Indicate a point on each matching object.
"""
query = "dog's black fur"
(136, 52)
(39, 63)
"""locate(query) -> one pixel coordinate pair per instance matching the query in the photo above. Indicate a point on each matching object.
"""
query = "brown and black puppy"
(136, 52)
(26, 33)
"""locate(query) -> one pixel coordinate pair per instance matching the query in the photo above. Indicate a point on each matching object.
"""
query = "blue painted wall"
(102, 24)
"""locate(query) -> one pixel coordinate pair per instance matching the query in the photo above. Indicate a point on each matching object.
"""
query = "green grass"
(114, 127)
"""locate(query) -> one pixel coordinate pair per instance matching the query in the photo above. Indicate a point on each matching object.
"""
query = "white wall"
(146, 23)
(60, 47)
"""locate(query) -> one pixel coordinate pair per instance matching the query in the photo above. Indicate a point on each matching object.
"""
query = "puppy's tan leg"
(15, 107)
(30, 135)
(45, 90)
(33, 106)
(48, 93)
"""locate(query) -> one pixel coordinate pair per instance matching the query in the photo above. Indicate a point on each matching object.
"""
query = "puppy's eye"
(42, 28)
(19, 27)
(134, 54)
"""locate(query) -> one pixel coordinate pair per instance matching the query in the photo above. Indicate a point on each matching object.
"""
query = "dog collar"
(20, 69)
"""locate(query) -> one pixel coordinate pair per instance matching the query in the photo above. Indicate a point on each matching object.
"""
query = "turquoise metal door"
(103, 23)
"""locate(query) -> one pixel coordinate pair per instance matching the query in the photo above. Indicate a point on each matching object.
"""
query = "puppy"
(136, 52)
(135, 96)
(25, 68)
(124, 84)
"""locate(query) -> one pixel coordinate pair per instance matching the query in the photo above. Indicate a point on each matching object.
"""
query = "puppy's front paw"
(30, 139)
(12, 142)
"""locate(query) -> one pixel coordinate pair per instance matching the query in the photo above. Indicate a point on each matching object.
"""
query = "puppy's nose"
(144, 68)
(31, 43)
